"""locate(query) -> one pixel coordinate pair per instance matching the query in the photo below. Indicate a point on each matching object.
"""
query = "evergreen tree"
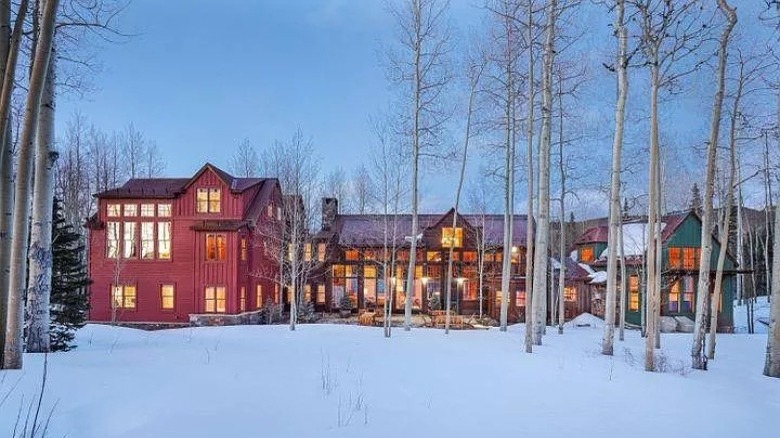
(69, 299)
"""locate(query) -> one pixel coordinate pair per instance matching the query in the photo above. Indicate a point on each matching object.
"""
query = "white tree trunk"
(13, 335)
(613, 240)
(6, 172)
(652, 295)
(623, 281)
(529, 233)
(772, 364)
(543, 231)
(40, 256)
(697, 355)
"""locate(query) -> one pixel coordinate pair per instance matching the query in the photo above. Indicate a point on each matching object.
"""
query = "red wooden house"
(172, 250)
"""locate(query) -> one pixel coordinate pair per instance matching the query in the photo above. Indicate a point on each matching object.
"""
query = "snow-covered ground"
(760, 316)
(348, 381)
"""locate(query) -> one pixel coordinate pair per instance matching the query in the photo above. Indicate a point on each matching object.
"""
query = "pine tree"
(69, 299)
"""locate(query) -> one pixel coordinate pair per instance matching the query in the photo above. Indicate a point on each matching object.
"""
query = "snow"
(635, 237)
(348, 381)
(760, 313)
(598, 277)
(587, 268)
(586, 320)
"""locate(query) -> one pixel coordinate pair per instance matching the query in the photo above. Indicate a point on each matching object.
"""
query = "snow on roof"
(635, 236)
(598, 277)
(587, 268)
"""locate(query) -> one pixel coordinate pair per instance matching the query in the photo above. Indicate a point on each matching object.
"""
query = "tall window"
(259, 296)
(320, 294)
(306, 293)
(687, 294)
(215, 299)
(164, 240)
(123, 297)
(586, 254)
(569, 294)
(633, 293)
(243, 299)
(215, 247)
(114, 210)
(164, 210)
(369, 285)
(244, 249)
(112, 240)
(520, 298)
(130, 240)
(451, 237)
(147, 210)
(147, 240)
(321, 252)
(674, 298)
(307, 252)
(208, 200)
(166, 296)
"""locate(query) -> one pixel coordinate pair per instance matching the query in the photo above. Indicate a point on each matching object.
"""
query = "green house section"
(688, 235)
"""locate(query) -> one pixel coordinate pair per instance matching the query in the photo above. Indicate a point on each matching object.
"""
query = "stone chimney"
(330, 209)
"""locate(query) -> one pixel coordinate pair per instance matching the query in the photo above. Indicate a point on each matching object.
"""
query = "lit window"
(452, 237)
(633, 293)
(243, 299)
(112, 240)
(215, 247)
(131, 210)
(306, 293)
(433, 256)
(147, 240)
(520, 298)
(113, 210)
(269, 211)
(259, 296)
(320, 294)
(208, 200)
(215, 299)
(674, 298)
(321, 252)
(166, 296)
(164, 210)
(469, 256)
(687, 303)
(244, 249)
(277, 296)
(307, 252)
(569, 294)
(164, 240)
(691, 258)
(351, 254)
(586, 254)
(675, 257)
(130, 240)
(123, 297)
(369, 271)
(147, 210)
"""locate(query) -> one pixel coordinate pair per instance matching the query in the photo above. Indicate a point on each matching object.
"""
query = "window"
(321, 252)
(131, 210)
(259, 296)
(164, 210)
(633, 293)
(586, 254)
(520, 298)
(123, 297)
(569, 294)
(147, 240)
(215, 247)
(269, 211)
(164, 240)
(351, 255)
(208, 200)
(674, 298)
(277, 296)
(433, 256)
(469, 290)
(320, 294)
(684, 258)
(130, 240)
(147, 210)
(469, 256)
(675, 257)
(113, 210)
(307, 252)
(244, 249)
(112, 240)
(451, 237)
(166, 297)
(306, 293)
(215, 299)
(278, 213)
(243, 299)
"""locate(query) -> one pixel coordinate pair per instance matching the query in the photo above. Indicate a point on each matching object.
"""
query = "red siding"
(188, 269)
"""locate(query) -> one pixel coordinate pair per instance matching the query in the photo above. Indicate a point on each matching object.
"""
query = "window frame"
(124, 297)
(172, 287)
(219, 256)
(215, 299)
(212, 200)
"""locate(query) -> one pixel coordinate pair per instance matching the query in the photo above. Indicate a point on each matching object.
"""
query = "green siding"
(688, 234)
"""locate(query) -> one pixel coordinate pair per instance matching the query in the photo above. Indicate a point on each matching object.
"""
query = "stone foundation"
(216, 319)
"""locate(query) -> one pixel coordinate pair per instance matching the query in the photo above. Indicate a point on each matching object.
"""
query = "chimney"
(330, 208)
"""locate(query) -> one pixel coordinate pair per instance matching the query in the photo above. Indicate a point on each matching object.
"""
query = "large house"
(166, 250)
(681, 249)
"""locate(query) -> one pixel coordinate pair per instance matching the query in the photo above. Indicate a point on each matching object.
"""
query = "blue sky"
(202, 75)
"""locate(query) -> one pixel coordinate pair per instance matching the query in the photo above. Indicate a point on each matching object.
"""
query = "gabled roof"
(161, 188)
(600, 234)
(358, 230)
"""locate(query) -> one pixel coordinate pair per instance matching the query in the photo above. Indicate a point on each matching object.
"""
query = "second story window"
(215, 247)
(131, 210)
(164, 210)
(164, 240)
(321, 252)
(586, 254)
(208, 200)
(451, 237)
(112, 240)
(114, 210)
(684, 258)
(147, 240)
(147, 210)
(130, 240)
(244, 249)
